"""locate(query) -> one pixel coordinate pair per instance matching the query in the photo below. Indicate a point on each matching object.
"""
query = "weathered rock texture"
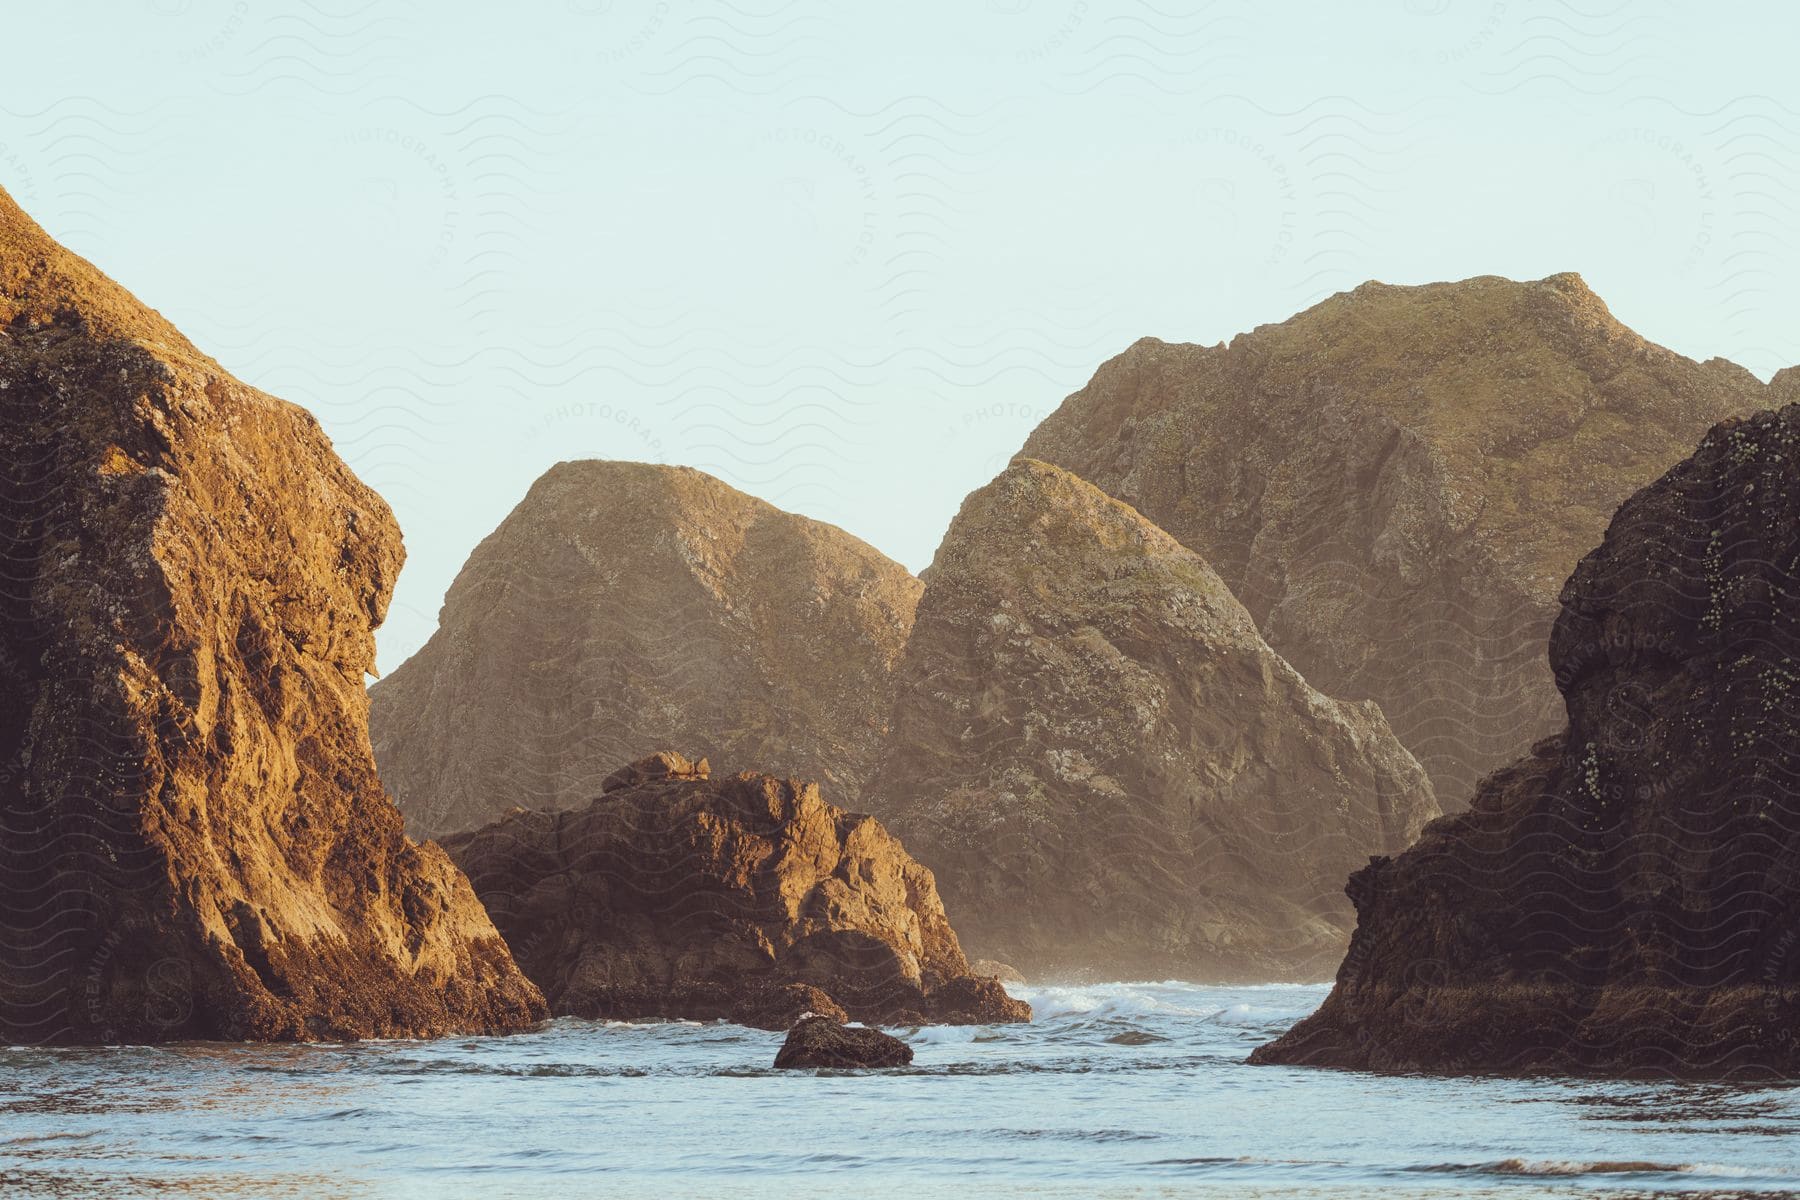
(193, 843)
(823, 1042)
(682, 896)
(1107, 767)
(1627, 897)
(622, 607)
(1397, 481)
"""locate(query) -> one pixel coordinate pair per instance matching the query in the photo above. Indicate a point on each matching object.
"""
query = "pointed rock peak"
(627, 605)
(1570, 283)
(587, 472)
(194, 580)
(43, 284)
(1480, 298)
(1107, 766)
(1574, 289)
(1399, 459)
(1036, 494)
(659, 492)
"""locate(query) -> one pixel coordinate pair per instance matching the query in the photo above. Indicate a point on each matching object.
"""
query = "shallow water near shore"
(1116, 1090)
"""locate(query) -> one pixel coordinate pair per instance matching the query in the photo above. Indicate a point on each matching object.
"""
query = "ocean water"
(1134, 1089)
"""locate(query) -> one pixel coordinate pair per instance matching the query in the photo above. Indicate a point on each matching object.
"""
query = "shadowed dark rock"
(823, 1042)
(1624, 899)
(974, 1000)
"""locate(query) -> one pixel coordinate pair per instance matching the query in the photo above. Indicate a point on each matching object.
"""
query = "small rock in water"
(823, 1042)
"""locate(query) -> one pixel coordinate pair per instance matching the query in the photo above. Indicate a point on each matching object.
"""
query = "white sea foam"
(1172, 999)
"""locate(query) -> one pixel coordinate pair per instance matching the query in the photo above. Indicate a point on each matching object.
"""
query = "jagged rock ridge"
(622, 607)
(1397, 481)
(1109, 770)
(1624, 898)
(675, 894)
(193, 842)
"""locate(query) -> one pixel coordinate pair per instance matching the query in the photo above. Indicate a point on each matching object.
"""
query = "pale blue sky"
(846, 256)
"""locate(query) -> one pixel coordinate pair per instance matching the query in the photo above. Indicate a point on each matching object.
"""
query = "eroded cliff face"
(1109, 770)
(1397, 481)
(193, 842)
(1626, 897)
(674, 894)
(624, 607)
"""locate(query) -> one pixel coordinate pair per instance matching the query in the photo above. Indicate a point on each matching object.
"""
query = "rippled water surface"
(1116, 1090)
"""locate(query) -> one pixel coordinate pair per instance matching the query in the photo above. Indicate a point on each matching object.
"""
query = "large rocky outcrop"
(1107, 767)
(1626, 898)
(622, 607)
(193, 843)
(678, 895)
(1397, 481)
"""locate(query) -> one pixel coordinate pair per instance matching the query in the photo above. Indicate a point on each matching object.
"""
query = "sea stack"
(748, 898)
(624, 607)
(1397, 481)
(1624, 898)
(193, 842)
(1109, 770)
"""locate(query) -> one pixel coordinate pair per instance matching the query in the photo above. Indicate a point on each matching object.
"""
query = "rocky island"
(747, 898)
(1397, 481)
(1111, 773)
(1623, 898)
(623, 607)
(193, 841)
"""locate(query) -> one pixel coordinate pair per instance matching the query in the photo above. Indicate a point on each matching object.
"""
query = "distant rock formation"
(1784, 387)
(1109, 770)
(623, 607)
(1623, 899)
(1397, 481)
(675, 895)
(823, 1042)
(193, 843)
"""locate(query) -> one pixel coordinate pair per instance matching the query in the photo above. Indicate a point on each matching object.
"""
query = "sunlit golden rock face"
(193, 841)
